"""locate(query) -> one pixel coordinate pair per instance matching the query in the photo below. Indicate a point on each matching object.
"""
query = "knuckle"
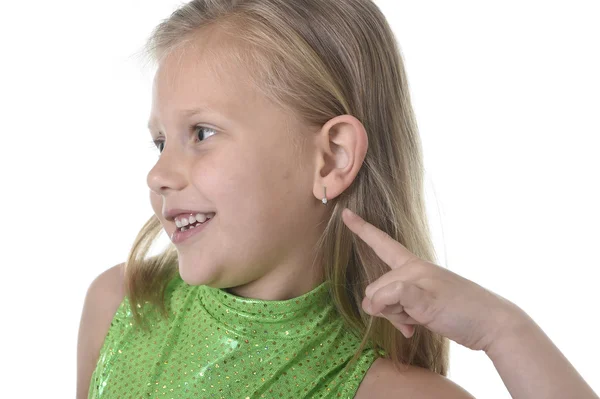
(412, 266)
(398, 287)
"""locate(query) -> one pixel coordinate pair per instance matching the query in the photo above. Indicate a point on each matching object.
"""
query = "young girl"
(278, 122)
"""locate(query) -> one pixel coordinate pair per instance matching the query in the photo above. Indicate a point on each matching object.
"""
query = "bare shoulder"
(383, 380)
(103, 297)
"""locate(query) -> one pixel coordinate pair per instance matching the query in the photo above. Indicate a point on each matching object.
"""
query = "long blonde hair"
(321, 59)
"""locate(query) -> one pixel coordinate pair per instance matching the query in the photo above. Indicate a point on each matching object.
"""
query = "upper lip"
(170, 214)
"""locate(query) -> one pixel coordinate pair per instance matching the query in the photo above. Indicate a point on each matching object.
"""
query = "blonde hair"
(320, 59)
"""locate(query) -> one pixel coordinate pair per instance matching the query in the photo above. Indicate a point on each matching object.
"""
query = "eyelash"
(155, 143)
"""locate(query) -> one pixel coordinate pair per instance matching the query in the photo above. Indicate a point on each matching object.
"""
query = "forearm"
(532, 367)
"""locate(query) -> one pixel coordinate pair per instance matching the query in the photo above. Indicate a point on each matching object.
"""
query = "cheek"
(246, 185)
(231, 175)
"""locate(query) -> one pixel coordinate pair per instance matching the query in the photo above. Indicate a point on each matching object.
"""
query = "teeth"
(199, 217)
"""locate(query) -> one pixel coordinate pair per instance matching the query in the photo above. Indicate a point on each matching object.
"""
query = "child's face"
(246, 170)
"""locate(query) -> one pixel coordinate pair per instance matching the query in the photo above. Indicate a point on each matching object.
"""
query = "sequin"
(218, 345)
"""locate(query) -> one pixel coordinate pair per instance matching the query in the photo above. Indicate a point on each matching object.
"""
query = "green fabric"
(219, 345)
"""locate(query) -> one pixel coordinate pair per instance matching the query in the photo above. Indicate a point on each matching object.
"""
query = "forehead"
(198, 77)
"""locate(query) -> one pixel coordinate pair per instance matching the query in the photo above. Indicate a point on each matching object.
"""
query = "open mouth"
(193, 229)
(193, 225)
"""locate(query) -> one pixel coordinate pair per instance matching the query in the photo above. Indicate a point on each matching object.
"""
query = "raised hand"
(416, 291)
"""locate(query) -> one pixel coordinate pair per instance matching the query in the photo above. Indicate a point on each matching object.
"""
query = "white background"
(507, 100)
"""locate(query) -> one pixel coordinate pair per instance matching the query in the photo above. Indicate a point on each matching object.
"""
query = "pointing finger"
(389, 250)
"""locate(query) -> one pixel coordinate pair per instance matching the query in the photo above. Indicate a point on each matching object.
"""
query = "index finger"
(389, 250)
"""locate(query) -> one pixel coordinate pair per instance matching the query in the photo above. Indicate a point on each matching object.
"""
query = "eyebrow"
(188, 113)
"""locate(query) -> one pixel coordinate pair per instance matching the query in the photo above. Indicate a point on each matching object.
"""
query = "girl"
(274, 119)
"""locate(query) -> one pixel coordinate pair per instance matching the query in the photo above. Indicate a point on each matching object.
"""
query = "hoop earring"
(324, 200)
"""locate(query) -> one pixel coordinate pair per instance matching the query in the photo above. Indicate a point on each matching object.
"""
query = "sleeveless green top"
(219, 345)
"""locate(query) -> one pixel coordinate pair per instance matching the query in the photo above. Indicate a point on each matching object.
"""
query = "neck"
(279, 285)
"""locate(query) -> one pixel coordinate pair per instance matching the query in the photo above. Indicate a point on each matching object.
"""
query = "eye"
(199, 128)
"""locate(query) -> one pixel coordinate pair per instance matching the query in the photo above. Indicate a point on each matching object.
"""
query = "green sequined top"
(219, 345)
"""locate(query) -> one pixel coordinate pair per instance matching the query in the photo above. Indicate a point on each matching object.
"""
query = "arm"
(532, 367)
(102, 299)
(415, 291)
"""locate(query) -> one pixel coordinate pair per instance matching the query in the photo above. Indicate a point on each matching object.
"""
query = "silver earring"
(324, 200)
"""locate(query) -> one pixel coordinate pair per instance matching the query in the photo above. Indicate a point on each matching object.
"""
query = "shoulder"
(109, 285)
(384, 380)
(103, 297)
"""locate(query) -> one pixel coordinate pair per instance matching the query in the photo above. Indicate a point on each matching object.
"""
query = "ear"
(341, 146)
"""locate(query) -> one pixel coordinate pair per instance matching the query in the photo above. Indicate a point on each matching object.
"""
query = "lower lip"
(180, 236)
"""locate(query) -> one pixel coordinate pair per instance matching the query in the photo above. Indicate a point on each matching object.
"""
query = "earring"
(324, 200)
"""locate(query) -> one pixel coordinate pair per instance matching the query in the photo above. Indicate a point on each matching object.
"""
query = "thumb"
(411, 297)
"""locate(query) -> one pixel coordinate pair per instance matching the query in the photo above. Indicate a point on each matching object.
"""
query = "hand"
(416, 291)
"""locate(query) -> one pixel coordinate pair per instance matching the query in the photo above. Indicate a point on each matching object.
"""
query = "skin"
(417, 292)
(266, 190)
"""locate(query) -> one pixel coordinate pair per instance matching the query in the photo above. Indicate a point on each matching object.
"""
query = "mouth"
(193, 225)
(185, 222)
(194, 229)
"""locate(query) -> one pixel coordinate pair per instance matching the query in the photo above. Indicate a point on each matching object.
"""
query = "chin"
(194, 279)
(195, 273)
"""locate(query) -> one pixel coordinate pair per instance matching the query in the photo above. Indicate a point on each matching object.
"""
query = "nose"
(168, 172)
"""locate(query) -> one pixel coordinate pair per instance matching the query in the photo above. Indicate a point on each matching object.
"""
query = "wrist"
(513, 325)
